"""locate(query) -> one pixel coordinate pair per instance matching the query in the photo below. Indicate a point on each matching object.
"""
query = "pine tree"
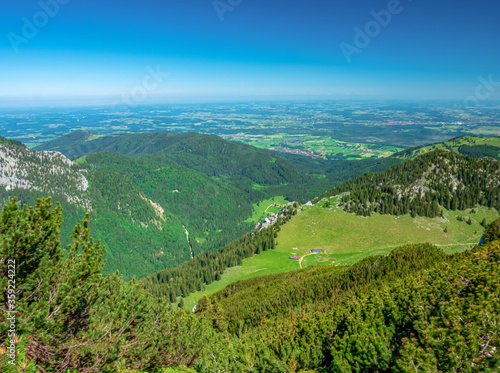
(58, 287)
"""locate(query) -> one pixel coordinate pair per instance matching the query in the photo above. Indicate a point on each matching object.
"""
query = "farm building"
(293, 257)
(315, 251)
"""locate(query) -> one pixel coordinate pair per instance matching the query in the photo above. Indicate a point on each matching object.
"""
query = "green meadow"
(81, 160)
(266, 207)
(347, 238)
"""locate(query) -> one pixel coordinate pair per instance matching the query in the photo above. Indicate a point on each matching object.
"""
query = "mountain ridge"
(474, 146)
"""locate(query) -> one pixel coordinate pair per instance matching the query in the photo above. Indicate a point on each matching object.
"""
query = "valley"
(145, 191)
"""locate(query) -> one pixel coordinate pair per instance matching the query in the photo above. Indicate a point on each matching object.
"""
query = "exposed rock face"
(48, 172)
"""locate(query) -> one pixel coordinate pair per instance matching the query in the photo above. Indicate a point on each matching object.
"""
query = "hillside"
(386, 313)
(269, 297)
(125, 198)
(10, 142)
(120, 212)
(45, 172)
(424, 185)
(208, 154)
(278, 174)
(472, 146)
(74, 144)
(214, 209)
(152, 191)
(344, 238)
(416, 307)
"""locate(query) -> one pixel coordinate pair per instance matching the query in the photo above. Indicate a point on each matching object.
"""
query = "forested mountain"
(150, 190)
(157, 199)
(212, 205)
(208, 154)
(416, 309)
(170, 198)
(424, 185)
(296, 177)
(385, 313)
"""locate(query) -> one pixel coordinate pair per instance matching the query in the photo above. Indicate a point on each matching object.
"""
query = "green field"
(266, 263)
(347, 238)
(266, 207)
(81, 160)
(318, 145)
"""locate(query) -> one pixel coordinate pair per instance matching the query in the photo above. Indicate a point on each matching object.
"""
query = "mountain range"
(158, 199)
(182, 205)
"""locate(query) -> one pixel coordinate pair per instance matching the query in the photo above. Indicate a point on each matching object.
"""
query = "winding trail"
(189, 242)
(457, 244)
(302, 257)
(268, 207)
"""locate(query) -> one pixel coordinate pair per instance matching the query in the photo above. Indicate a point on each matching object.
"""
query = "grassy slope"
(454, 144)
(266, 208)
(266, 263)
(347, 238)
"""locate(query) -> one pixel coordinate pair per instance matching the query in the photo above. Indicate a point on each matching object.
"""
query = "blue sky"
(103, 48)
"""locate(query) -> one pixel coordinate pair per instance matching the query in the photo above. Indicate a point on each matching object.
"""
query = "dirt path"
(189, 242)
(300, 261)
(257, 270)
(458, 244)
(271, 205)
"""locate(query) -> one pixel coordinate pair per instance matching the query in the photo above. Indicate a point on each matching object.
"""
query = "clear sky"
(242, 48)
